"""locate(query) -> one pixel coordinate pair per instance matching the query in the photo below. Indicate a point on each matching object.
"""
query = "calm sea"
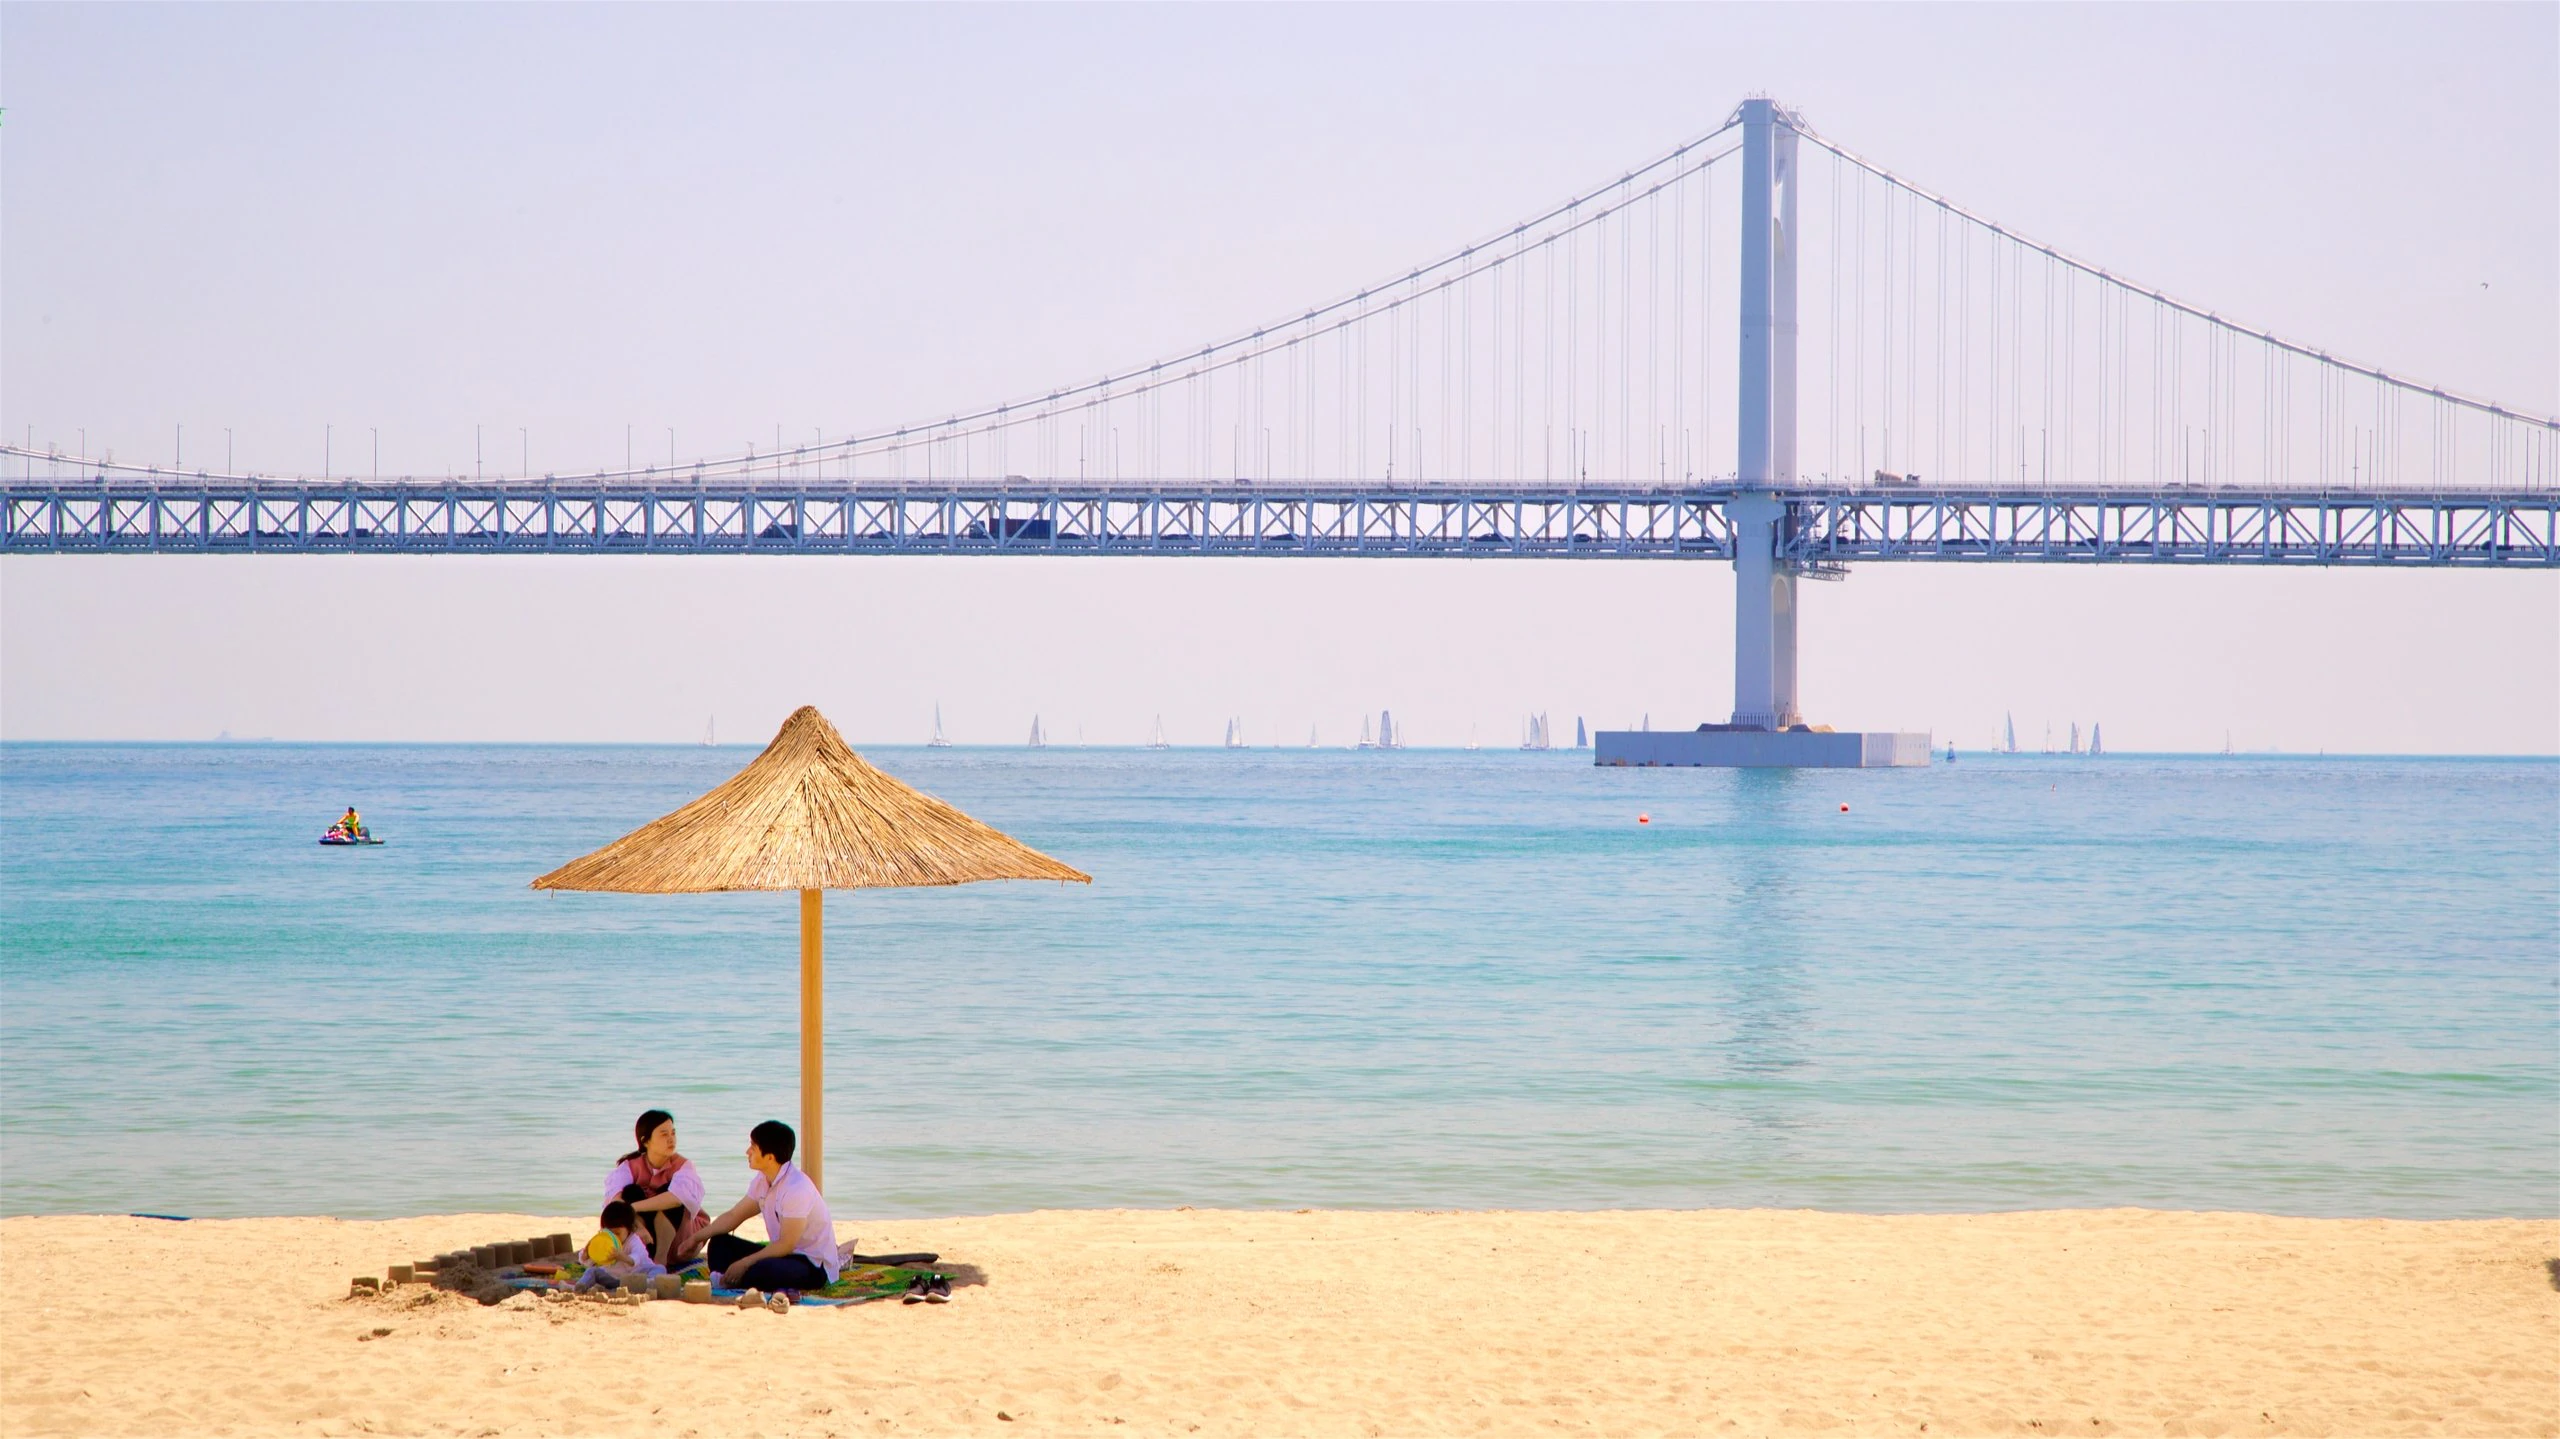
(1302, 978)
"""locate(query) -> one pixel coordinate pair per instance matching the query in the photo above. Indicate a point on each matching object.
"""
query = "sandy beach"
(1222, 1323)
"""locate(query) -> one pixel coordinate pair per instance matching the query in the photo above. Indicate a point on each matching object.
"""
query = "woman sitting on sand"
(661, 1187)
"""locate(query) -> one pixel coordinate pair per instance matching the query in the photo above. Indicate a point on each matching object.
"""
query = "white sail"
(1036, 741)
(710, 732)
(1157, 740)
(1581, 736)
(939, 741)
(2009, 733)
(1365, 741)
(2096, 745)
(1311, 736)
(2075, 738)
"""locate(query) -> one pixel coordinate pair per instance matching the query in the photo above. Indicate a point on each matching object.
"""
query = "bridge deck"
(1827, 526)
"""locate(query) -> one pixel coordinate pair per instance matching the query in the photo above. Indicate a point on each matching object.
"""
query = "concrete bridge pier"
(1764, 617)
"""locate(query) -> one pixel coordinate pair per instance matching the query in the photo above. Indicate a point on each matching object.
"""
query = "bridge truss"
(1823, 529)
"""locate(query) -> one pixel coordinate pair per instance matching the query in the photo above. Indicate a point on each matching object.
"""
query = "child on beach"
(619, 1254)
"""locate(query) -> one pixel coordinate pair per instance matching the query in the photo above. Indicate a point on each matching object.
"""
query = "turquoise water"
(1302, 978)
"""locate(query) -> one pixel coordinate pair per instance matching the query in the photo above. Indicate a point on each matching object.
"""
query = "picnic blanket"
(856, 1284)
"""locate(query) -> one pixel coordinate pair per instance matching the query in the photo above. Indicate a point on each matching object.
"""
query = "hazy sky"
(716, 220)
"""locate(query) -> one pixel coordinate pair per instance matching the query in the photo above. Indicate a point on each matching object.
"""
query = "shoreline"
(1322, 1322)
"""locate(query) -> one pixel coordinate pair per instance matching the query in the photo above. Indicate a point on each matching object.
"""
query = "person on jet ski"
(351, 824)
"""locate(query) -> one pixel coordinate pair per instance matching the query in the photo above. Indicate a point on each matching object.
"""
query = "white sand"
(1220, 1323)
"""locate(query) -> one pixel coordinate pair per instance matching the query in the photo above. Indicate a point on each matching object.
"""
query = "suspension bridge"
(1759, 347)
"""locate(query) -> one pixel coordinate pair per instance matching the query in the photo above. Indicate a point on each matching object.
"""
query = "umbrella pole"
(813, 968)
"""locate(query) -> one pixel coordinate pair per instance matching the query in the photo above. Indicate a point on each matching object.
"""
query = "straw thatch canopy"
(807, 814)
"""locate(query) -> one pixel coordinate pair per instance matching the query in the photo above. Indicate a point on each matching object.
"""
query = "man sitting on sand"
(800, 1252)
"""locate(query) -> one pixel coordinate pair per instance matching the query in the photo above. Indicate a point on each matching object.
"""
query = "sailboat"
(2097, 746)
(1235, 734)
(1534, 734)
(1365, 741)
(2048, 736)
(2075, 738)
(2226, 741)
(2008, 733)
(1157, 740)
(1037, 741)
(939, 740)
(1389, 737)
(1311, 736)
(1471, 738)
(1581, 736)
(710, 730)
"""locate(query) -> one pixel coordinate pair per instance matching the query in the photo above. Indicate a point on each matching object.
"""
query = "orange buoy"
(1844, 809)
(1644, 819)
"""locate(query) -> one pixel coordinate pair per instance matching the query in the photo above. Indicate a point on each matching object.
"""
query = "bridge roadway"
(1826, 527)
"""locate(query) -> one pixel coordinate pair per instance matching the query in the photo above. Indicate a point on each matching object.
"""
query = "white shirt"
(685, 1185)
(790, 1196)
(633, 1259)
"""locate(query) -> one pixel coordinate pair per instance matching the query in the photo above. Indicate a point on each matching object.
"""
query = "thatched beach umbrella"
(809, 815)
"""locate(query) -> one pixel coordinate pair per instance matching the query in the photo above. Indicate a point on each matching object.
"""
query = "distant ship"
(2008, 734)
(1389, 737)
(2097, 746)
(938, 741)
(1157, 740)
(2075, 738)
(1534, 733)
(1581, 736)
(1235, 734)
(1037, 740)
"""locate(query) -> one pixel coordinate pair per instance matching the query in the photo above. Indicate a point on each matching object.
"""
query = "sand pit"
(1216, 1323)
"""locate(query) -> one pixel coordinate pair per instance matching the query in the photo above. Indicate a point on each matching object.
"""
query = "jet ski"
(339, 836)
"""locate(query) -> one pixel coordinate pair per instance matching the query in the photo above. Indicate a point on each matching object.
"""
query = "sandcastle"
(481, 1271)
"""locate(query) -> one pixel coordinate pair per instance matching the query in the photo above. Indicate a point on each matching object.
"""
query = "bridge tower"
(1768, 727)
(1764, 612)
